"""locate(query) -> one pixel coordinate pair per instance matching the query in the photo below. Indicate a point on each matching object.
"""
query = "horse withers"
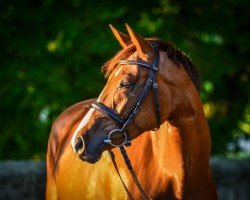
(151, 99)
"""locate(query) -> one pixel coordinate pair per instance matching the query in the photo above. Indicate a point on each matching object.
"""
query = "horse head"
(141, 93)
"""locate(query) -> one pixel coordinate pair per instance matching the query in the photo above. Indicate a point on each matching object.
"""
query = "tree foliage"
(52, 51)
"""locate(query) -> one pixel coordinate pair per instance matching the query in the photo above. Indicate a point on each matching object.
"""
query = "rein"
(123, 123)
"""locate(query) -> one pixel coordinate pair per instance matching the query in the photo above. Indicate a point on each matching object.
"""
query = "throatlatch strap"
(156, 104)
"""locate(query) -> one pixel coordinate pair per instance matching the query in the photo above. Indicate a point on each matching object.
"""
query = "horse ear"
(142, 46)
(122, 38)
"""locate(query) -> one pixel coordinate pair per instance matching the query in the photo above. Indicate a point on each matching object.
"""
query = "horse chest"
(78, 180)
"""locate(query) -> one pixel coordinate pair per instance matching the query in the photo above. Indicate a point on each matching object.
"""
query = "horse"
(151, 104)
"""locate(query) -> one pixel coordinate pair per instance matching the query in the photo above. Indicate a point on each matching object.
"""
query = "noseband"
(124, 122)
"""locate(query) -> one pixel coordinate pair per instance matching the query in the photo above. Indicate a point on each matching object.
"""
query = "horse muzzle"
(80, 149)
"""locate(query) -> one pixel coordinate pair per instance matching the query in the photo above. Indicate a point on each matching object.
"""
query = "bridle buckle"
(155, 85)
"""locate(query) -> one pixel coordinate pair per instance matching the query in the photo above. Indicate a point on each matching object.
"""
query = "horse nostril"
(79, 145)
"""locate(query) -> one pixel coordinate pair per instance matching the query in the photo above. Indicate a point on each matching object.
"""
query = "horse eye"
(125, 84)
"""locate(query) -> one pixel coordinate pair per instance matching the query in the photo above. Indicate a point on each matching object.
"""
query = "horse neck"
(182, 144)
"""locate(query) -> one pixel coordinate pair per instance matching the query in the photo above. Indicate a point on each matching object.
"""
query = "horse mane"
(174, 54)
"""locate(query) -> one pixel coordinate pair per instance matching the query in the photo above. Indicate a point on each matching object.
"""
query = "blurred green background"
(52, 53)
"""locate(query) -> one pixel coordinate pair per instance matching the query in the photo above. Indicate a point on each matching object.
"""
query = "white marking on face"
(118, 71)
(83, 123)
(116, 74)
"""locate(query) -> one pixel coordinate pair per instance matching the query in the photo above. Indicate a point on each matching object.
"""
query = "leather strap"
(108, 112)
(131, 170)
(112, 156)
(156, 104)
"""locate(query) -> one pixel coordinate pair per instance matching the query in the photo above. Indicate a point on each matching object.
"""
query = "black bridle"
(124, 122)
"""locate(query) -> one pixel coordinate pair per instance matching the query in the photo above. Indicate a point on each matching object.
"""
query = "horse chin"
(91, 159)
(86, 157)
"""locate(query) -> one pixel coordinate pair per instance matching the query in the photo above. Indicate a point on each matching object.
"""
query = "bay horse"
(151, 98)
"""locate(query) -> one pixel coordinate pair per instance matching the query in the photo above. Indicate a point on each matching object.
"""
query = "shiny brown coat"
(170, 163)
